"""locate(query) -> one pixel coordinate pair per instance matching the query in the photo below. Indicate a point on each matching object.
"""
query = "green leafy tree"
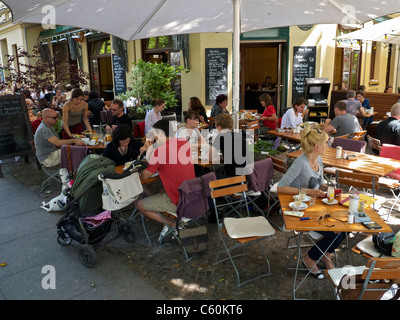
(150, 81)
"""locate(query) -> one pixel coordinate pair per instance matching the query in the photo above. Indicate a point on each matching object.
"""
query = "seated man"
(119, 117)
(353, 106)
(388, 130)
(47, 143)
(232, 145)
(174, 163)
(344, 123)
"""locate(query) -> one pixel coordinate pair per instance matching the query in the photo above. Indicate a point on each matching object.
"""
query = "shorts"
(159, 202)
(53, 159)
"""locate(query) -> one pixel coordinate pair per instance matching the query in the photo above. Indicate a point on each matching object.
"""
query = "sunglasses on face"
(114, 109)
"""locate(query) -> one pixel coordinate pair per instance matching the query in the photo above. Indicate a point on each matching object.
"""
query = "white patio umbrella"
(387, 32)
(139, 19)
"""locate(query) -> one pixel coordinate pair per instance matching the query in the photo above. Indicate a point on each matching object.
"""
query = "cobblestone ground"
(165, 268)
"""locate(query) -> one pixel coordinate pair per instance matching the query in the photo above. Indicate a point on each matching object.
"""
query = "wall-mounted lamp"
(54, 40)
(89, 33)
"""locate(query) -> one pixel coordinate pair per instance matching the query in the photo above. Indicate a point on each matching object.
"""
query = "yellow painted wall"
(321, 36)
(193, 82)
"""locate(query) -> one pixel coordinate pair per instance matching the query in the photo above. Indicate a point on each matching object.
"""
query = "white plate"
(325, 200)
(306, 198)
(302, 207)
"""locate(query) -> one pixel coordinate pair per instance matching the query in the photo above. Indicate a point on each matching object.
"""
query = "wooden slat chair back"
(359, 180)
(375, 144)
(359, 135)
(367, 283)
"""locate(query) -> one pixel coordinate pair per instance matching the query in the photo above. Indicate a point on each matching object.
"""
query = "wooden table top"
(99, 146)
(119, 169)
(366, 163)
(288, 135)
(321, 209)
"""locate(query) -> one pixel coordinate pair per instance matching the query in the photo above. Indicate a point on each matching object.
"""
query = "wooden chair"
(210, 121)
(369, 282)
(345, 136)
(357, 180)
(375, 144)
(360, 135)
(241, 231)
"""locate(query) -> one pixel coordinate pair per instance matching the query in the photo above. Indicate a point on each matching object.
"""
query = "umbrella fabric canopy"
(387, 32)
(139, 19)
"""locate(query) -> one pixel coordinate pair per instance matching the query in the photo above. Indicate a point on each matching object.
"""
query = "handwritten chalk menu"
(119, 75)
(15, 127)
(303, 67)
(216, 73)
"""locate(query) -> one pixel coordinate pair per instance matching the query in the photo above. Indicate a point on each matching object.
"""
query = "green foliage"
(272, 147)
(150, 81)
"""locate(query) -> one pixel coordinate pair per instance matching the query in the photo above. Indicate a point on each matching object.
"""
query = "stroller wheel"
(87, 255)
(64, 241)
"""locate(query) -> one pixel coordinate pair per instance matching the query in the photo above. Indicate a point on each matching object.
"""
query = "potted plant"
(149, 81)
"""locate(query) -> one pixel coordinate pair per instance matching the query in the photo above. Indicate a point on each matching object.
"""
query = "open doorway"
(101, 76)
(263, 66)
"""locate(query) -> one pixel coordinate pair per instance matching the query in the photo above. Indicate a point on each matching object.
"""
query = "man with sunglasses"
(47, 142)
(119, 117)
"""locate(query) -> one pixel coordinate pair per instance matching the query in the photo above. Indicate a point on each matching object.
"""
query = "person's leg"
(150, 206)
(328, 244)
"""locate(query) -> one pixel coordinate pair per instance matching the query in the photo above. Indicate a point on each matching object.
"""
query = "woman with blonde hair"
(307, 172)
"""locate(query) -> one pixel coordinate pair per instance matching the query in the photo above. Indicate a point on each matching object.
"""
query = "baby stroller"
(94, 204)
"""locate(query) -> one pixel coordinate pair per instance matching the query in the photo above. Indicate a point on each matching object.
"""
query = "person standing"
(95, 105)
(75, 115)
(388, 130)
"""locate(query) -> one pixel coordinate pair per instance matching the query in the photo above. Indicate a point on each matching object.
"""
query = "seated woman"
(268, 117)
(123, 147)
(154, 115)
(196, 106)
(189, 131)
(307, 172)
(294, 116)
(360, 96)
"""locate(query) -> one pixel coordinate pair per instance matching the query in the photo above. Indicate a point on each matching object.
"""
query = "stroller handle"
(136, 166)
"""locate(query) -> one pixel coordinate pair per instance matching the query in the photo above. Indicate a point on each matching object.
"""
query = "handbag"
(195, 239)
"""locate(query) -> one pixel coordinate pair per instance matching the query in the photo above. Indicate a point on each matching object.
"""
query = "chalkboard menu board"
(119, 75)
(303, 67)
(216, 73)
(15, 127)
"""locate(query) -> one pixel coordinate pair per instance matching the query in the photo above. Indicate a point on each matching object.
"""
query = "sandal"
(315, 273)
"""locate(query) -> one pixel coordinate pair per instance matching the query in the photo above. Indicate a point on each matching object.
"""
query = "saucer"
(325, 200)
(302, 207)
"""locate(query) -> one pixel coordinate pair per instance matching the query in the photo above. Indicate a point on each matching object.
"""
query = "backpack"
(383, 242)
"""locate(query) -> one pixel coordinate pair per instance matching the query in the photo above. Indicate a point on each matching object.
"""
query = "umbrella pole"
(236, 60)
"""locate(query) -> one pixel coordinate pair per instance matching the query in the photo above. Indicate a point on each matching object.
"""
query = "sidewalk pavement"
(31, 259)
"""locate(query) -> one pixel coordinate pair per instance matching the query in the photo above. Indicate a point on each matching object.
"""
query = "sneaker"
(163, 232)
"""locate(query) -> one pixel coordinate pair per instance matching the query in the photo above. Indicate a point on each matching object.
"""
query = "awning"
(60, 33)
(386, 32)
